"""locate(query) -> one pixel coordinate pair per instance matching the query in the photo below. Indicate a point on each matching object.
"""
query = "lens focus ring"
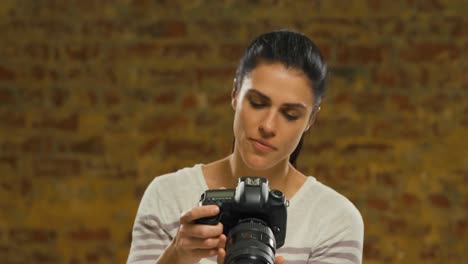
(250, 241)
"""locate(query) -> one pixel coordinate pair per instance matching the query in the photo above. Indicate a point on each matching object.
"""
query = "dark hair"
(294, 50)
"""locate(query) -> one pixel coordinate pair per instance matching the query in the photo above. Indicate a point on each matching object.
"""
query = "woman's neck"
(276, 175)
(225, 173)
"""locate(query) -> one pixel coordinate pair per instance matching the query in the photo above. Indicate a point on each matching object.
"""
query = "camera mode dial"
(277, 195)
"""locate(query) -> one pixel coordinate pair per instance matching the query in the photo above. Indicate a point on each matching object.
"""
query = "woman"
(276, 96)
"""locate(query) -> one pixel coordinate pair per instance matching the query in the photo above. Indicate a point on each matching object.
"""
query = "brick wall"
(98, 97)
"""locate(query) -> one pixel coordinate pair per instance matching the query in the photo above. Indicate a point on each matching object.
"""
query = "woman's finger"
(201, 243)
(279, 260)
(199, 212)
(201, 231)
(203, 253)
(222, 241)
(221, 255)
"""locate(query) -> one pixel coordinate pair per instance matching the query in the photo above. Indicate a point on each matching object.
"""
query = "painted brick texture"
(98, 97)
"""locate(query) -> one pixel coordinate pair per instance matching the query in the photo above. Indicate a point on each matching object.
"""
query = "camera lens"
(251, 241)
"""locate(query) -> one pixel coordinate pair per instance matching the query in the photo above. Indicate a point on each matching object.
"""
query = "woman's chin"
(258, 163)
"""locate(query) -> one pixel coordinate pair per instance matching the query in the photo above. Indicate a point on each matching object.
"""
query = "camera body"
(251, 200)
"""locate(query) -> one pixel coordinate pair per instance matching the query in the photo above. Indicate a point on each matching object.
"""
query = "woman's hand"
(196, 241)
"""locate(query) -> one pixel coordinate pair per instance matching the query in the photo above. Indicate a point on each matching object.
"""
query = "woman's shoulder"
(184, 174)
(172, 193)
(325, 198)
(182, 181)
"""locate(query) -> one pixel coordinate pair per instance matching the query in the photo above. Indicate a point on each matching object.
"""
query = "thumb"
(279, 260)
(221, 255)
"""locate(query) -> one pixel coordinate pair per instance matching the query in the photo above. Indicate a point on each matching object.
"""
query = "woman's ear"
(234, 95)
(311, 122)
(313, 117)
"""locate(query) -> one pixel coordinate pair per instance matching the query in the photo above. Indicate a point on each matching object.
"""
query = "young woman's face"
(272, 110)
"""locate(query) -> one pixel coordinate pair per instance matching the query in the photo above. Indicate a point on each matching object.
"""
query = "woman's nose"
(267, 126)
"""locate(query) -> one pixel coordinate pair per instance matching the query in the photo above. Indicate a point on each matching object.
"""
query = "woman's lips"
(262, 146)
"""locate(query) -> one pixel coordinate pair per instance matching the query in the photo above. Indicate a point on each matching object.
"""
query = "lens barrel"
(251, 241)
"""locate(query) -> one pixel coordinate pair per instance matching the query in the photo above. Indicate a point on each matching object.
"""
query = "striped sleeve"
(341, 239)
(152, 230)
(346, 252)
(149, 239)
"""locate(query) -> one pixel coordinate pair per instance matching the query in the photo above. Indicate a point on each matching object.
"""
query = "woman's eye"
(290, 116)
(256, 104)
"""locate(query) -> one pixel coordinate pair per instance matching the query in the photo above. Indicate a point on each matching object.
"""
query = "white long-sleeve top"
(323, 227)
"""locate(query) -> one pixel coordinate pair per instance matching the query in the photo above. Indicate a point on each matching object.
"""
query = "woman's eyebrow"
(258, 93)
(266, 98)
(295, 105)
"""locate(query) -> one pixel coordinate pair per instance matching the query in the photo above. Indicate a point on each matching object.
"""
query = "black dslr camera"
(253, 217)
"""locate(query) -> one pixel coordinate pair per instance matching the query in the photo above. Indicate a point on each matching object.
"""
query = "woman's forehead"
(279, 83)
